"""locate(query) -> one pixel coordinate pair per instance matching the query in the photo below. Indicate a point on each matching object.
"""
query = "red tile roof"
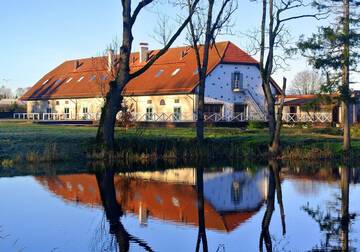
(160, 78)
(157, 197)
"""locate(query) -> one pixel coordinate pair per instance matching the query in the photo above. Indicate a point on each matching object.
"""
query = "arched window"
(162, 102)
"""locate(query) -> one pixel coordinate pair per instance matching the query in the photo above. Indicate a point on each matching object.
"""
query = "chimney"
(76, 64)
(110, 63)
(144, 51)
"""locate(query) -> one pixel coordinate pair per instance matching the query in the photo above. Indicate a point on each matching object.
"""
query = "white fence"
(143, 117)
(178, 117)
(57, 116)
(307, 117)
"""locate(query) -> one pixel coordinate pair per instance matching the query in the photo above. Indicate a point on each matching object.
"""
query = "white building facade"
(233, 91)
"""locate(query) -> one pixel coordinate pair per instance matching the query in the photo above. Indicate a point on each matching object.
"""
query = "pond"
(272, 207)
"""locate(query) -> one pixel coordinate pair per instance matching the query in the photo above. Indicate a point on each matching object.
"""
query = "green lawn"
(20, 140)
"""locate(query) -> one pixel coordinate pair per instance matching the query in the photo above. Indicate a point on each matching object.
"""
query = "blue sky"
(38, 35)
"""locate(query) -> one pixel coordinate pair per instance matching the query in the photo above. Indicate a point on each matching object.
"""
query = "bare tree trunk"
(109, 111)
(200, 110)
(345, 218)
(201, 209)
(114, 98)
(105, 134)
(265, 236)
(113, 212)
(345, 75)
(275, 144)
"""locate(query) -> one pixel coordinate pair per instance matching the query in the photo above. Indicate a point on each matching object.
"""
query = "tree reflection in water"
(114, 212)
(335, 221)
(274, 187)
(200, 205)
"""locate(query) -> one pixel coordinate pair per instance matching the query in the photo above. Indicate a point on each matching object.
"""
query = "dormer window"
(69, 80)
(159, 73)
(57, 81)
(237, 81)
(175, 71)
(45, 82)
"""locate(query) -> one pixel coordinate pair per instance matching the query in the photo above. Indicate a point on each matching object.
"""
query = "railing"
(164, 117)
(27, 116)
(321, 117)
(152, 117)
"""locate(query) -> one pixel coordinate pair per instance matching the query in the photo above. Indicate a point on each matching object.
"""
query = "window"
(212, 108)
(177, 114)
(85, 110)
(48, 110)
(57, 103)
(66, 102)
(80, 79)
(237, 192)
(196, 71)
(149, 102)
(149, 114)
(45, 82)
(57, 81)
(175, 71)
(162, 102)
(159, 73)
(240, 111)
(240, 108)
(237, 81)
(104, 78)
(69, 80)
(92, 78)
(67, 112)
(177, 101)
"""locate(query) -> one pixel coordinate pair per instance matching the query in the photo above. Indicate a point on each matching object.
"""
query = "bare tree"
(5, 92)
(112, 106)
(206, 27)
(275, 15)
(306, 82)
(162, 32)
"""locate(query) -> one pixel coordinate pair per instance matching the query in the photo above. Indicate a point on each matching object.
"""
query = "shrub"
(7, 163)
(256, 125)
(355, 130)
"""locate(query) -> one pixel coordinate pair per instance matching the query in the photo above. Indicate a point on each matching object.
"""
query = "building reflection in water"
(230, 197)
(220, 200)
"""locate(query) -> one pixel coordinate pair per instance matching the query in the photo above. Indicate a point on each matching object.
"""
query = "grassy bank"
(33, 143)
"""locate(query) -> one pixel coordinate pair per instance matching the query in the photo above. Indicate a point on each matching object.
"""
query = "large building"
(167, 91)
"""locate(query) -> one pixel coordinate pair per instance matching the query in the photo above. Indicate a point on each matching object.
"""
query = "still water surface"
(223, 209)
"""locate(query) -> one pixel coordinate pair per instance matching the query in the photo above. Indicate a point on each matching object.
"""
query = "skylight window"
(175, 71)
(104, 78)
(196, 71)
(80, 79)
(159, 72)
(69, 80)
(93, 77)
(45, 82)
(57, 81)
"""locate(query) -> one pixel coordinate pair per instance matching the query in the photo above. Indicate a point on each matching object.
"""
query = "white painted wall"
(218, 88)
(252, 190)
(93, 105)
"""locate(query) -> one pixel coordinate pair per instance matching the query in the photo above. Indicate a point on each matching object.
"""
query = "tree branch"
(166, 47)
